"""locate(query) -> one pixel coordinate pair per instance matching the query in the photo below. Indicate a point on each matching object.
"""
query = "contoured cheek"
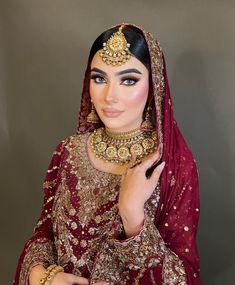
(136, 96)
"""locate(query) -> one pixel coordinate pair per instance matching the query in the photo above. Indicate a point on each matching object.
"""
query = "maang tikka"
(92, 117)
(116, 50)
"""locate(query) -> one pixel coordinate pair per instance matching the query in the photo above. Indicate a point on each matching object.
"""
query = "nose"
(110, 95)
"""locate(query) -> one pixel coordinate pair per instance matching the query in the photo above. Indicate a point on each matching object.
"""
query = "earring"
(146, 124)
(92, 117)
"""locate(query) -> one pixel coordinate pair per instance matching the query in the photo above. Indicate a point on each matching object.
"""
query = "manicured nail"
(163, 164)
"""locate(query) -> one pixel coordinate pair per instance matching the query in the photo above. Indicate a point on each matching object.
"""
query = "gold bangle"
(50, 272)
(47, 271)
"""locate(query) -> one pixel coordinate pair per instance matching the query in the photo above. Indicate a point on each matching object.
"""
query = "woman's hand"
(135, 190)
(63, 278)
(60, 278)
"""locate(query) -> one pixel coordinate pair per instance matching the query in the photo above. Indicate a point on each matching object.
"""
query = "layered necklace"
(119, 147)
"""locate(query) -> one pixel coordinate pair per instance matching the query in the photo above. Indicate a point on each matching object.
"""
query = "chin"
(113, 125)
(118, 126)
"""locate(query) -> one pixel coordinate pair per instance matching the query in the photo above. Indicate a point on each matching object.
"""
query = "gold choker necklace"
(119, 147)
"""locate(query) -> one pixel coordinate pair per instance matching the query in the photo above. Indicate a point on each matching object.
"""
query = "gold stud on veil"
(116, 50)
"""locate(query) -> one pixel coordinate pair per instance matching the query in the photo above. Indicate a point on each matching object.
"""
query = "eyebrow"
(130, 70)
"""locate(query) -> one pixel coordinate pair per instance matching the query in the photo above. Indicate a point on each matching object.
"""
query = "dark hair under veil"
(138, 45)
(175, 220)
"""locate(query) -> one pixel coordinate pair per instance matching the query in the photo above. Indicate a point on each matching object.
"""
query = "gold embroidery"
(42, 252)
(50, 184)
(95, 188)
(157, 66)
(146, 250)
(173, 269)
(117, 258)
(94, 191)
(69, 217)
(83, 243)
(82, 222)
(172, 183)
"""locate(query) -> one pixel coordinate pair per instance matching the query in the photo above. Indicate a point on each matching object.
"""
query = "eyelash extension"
(130, 78)
(93, 77)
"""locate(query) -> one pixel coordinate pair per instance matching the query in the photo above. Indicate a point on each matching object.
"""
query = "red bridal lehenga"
(79, 226)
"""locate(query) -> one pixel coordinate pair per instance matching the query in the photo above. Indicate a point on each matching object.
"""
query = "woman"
(121, 199)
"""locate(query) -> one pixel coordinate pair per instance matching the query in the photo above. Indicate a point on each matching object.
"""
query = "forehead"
(133, 62)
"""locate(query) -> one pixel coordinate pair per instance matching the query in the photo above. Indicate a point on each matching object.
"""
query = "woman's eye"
(129, 81)
(97, 79)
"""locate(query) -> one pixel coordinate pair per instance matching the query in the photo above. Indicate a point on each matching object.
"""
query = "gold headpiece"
(116, 50)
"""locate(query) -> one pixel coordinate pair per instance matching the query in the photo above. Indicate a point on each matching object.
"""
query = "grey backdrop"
(43, 51)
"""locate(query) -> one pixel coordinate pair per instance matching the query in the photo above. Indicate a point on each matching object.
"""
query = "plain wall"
(43, 52)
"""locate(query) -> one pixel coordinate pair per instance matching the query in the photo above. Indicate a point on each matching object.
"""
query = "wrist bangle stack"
(50, 273)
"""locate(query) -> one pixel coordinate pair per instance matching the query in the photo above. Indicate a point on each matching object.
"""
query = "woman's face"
(119, 93)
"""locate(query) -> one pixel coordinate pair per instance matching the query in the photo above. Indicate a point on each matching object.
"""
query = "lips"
(111, 112)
